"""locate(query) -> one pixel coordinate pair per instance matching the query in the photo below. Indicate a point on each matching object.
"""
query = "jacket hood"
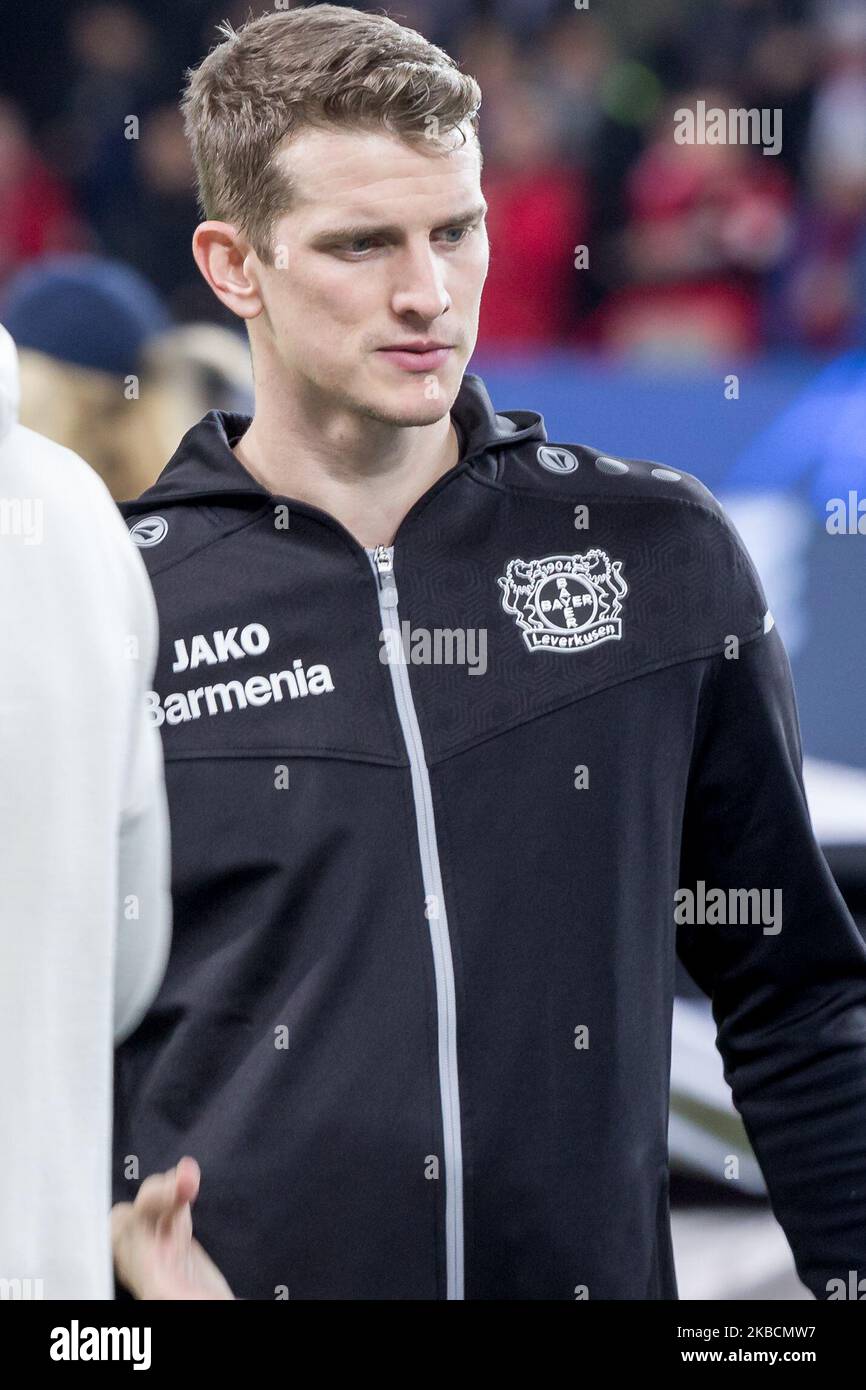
(203, 464)
(8, 383)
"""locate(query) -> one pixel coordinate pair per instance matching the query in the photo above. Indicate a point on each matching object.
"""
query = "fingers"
(187, 1180)
(163, 1194)
(155, 1255)
(121, 1215)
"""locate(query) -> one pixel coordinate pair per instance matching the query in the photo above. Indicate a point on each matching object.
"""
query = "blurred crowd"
(693, 251)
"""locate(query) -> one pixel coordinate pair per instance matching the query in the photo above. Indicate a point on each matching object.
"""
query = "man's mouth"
(417, 357)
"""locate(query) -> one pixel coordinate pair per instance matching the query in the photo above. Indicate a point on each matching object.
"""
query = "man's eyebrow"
(350, 232)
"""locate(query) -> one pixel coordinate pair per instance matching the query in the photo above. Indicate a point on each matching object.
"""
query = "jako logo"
(149, 531)
(556, 460)
(253, 640)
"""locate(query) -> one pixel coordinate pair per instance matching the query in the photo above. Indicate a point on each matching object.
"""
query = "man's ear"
(230, 266)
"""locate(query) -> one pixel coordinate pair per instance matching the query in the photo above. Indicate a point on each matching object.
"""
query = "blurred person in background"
(37, 216)
(493, 53)
(573, 61)
(535, 196)
(104, 372)
(536, 218)
(151, 228)
(116, 64)
(82, 324)
(196, 367)
(706, 222)
(84, 851)
(816, 298)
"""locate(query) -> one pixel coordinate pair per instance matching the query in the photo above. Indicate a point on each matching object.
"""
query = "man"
(450, 715)
(84, 858)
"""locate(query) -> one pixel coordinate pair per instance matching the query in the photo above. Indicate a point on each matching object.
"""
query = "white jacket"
(84, 851)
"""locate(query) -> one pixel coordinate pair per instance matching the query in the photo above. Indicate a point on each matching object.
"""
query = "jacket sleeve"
(144, 895)
(789, 997)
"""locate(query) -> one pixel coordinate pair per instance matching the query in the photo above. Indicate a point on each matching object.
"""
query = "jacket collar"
(203, 464)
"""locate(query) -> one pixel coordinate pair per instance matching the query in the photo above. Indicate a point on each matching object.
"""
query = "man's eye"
(463, 233)
(362, 244)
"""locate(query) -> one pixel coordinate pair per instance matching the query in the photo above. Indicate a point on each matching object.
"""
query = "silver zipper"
(382, 561)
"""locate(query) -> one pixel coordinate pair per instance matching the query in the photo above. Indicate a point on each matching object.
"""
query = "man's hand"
(155, 1254)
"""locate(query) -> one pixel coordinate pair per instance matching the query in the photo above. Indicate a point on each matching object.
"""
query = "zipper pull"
(384, 562)
(384, 558)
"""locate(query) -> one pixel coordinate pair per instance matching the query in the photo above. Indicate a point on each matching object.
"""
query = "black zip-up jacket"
(436, 811)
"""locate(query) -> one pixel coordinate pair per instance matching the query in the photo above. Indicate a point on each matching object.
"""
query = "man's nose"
(420, 286)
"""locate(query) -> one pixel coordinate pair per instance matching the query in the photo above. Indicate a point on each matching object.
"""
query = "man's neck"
(368, 483)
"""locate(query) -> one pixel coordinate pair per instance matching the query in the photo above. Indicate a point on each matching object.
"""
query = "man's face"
(385, 245)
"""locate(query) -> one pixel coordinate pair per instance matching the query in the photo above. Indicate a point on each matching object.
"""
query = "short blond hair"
(322, 66)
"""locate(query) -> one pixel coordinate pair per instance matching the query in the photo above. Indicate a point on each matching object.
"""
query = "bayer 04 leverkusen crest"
(565, 603)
